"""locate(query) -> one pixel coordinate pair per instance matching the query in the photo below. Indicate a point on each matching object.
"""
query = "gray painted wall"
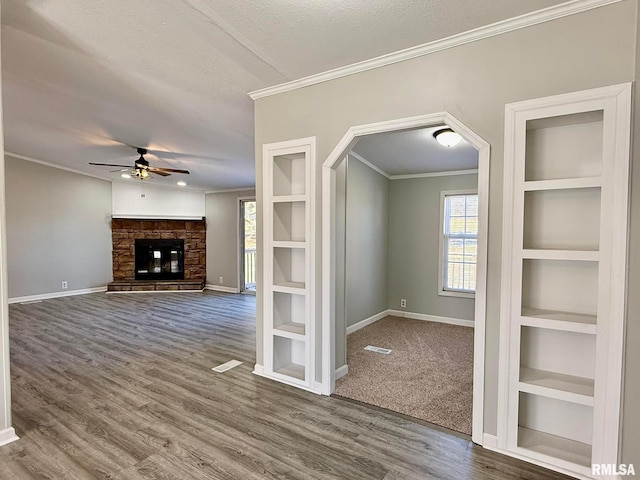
(367, 240)
(223, 227)
(58, 228)
(473, 82)
(631, 414)
(341, 244)
(414, 246)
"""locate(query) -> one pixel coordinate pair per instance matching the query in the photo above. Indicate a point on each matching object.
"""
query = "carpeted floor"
(428, 375)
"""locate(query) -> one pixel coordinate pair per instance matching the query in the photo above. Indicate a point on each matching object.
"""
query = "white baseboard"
(259, 370)
(342, 371)
(432, 318)
(221, 288)
(367, 321)
(127, 292)
(8, 435)
(489, 441)
(46, 296)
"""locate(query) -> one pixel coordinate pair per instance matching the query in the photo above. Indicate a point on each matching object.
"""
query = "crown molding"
(447, 173)
(504, 26)
(230, 190)
(53, 165)
(369, 164)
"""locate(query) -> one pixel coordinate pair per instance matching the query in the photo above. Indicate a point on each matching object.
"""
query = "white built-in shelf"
(289, 244)
(547, 445)
(557, 385)
(565, 183)
(296, 288)
(293, 370)
(289, 198)
(552, 254)
(292, 330)
(555, 320)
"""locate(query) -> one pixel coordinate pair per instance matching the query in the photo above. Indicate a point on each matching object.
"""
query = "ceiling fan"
(141, 168)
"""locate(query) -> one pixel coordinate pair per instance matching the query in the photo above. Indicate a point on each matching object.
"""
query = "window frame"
(441, 260)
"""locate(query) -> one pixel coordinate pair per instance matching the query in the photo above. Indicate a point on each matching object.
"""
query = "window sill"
(451, 293)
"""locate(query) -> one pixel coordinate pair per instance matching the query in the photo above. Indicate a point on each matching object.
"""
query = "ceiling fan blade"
(159, 172)
(172, 170)
(109, 165)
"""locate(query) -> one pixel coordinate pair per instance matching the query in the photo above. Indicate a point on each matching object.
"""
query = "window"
(459, 251)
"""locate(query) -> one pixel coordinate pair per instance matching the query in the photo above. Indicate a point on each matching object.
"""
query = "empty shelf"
(291, 330)
(291, 370)
(557, 385)
(556, 320)
(556, 447)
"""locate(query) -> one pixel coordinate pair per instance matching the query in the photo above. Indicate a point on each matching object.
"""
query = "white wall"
(223, 240)
(136, 198)
(473, 82)
(58, 229)
(367, 240)
(414, 246)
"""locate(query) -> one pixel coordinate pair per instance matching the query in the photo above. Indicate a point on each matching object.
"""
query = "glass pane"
(456, 205)
(456, 225)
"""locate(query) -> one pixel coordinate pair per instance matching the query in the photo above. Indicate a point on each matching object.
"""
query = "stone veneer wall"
(125, 231)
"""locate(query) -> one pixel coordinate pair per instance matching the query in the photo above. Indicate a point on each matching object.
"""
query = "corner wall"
(630, 412)
(223, 240)
(58, 229)
(367, 242)
(414, 246)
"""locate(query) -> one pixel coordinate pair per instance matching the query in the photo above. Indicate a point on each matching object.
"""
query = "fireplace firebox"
(159, 259)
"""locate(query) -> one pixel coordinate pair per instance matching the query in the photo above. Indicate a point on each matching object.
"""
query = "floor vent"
(371, 348)
(226, 366)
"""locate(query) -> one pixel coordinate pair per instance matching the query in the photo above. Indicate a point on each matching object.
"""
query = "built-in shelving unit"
(288, 250)
(565, 224)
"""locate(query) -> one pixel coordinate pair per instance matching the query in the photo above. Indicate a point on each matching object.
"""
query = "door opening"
(248, 246)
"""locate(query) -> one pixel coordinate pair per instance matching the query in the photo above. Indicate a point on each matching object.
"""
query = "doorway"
(248, 246)
(409, 285)
(332, 323)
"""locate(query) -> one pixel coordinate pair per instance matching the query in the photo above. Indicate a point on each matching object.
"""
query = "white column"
(7, 434)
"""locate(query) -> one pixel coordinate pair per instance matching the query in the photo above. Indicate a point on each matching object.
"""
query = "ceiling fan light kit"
(141, 169)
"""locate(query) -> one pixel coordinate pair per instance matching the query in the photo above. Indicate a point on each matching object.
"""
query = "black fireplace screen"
(159, 259)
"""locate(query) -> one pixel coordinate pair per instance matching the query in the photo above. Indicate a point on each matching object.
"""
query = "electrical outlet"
(403, 302)
(65, 285)
(220, 279)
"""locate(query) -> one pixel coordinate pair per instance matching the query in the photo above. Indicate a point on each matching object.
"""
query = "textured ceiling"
(82, 80)
(414, 152)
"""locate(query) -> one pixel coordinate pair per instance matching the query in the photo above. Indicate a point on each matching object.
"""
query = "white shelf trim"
(549, 254)
(562, 184)
(556, 385)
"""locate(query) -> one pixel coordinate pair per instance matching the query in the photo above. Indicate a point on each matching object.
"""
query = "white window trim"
(441, 290)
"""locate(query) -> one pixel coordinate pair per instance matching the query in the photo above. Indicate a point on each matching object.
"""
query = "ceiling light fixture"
(125, 175)
(447, 137)
(182, 184)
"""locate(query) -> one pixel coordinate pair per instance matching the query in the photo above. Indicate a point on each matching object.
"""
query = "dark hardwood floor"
(120, 386)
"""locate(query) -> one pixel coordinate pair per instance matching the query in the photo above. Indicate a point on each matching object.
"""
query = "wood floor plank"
(121, 387)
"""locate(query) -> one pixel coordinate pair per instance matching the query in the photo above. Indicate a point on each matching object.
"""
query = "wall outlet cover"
(221, 279)
(403, 302)
(65, 284)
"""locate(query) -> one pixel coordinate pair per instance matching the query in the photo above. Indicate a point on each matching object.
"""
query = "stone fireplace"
(158, 254)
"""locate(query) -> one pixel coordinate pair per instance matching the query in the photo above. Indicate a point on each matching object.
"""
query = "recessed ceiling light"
(447, 137)
(182, 184)
(125, 175)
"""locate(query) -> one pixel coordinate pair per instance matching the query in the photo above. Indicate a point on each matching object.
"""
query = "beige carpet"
(428, 375)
